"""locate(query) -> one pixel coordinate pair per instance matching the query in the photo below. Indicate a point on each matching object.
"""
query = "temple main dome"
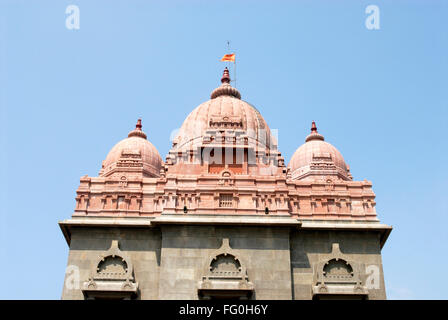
(225, 111)
(317, 157)
(134, 152)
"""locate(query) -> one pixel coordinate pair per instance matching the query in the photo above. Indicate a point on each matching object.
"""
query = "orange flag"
(229, 57)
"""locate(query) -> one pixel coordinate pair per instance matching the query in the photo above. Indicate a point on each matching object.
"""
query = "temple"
(224, 217)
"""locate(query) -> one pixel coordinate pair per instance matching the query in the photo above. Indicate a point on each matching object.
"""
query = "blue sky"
(67, 96)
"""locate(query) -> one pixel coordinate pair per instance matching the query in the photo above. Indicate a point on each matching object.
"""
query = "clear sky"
(67, 96)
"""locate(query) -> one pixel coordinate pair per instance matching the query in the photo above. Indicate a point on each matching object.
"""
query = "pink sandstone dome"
(137, 147)
(226, 105)
(316, 151)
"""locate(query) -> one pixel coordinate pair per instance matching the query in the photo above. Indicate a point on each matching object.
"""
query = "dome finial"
(314, 135)
(225, 89)
(225, 76)
(138, 126)
(137, 132)
(313, 127)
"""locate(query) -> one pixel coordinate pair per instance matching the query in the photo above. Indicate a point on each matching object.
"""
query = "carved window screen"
(226, 200)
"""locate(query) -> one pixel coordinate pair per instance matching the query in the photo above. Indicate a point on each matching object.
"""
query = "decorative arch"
(225, 265)
(338, 276)
(337, 269)
(225, 275)
(112, 276)
(227, 177)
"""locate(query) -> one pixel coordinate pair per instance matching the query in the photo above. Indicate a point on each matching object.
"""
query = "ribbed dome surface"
(225, 111)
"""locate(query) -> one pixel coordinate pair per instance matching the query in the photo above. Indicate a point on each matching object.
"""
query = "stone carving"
(82, 202)
(123, 182)
(112, 276)
(112, 267)
(225, 265)
(225, 275)
(337, 269)
(338, 275)
(329, 184)
(225, 122)
(130, 158)
(227, 178)
(322, 161)
(226, 200)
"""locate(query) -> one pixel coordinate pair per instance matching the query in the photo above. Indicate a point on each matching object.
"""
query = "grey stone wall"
(141, 245)
(170, 260)
(308, 248)
(186, 251)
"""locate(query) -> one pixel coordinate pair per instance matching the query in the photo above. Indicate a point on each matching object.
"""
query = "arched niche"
(225, 276)
(226, 265)
(338, 277)
(112, 277)
(337, 269)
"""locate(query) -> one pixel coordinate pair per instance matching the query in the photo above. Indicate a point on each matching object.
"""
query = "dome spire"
(225, 89)
(225, 76)
(138, 126)
(137, 132)
(314, 135)
(313, 127)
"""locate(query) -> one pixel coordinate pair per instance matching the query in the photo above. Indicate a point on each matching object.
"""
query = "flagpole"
(234, 70)
(234, 62)
(225, 58)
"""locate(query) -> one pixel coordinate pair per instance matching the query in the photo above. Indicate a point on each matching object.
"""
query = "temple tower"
(223, 216)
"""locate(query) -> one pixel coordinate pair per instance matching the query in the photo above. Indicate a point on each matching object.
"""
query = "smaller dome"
(133, 154)
(317, 158)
